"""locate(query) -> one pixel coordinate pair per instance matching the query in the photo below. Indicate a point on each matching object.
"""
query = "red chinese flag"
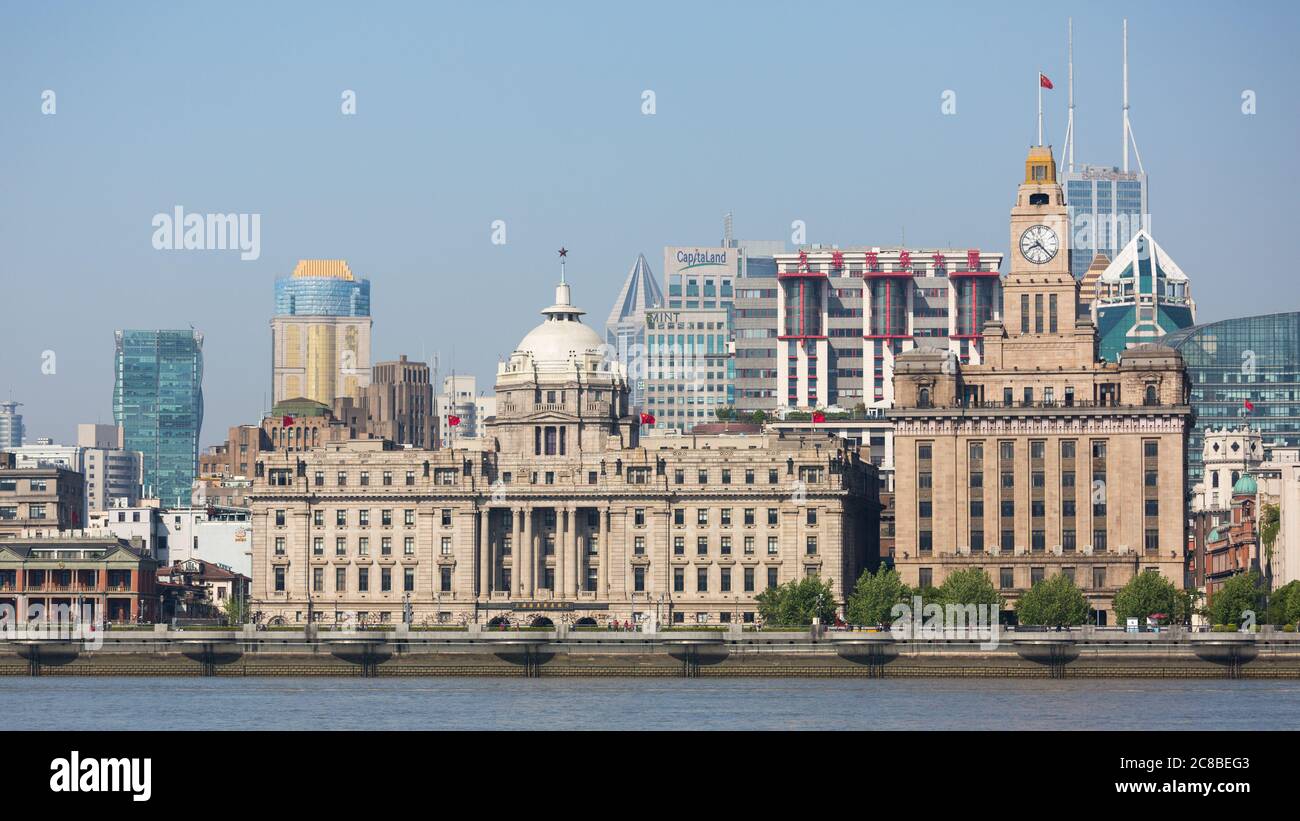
(1250, 406)
(647, 419)
(818, 416)
(287, 421)
(453, 420)
(1043, 81)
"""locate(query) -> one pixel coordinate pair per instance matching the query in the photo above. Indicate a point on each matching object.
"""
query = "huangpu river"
(114, 703)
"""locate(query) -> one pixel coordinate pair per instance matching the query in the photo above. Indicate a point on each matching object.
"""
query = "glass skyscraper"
(158, 401)
(1252, 359)
(1107, 208)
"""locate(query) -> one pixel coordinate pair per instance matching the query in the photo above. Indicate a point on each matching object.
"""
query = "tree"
(796, 603)
(233, 610)
(1054, 602)
(1146, 593)
(969, 586)
(875, 596)
(1270, 523)
(1239, 594)
(1281, 604)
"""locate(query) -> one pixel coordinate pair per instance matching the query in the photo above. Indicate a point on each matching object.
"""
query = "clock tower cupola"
(1040, 296)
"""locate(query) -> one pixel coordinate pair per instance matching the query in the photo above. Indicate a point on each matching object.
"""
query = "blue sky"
(531, 113)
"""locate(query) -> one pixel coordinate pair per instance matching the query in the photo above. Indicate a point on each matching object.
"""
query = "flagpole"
(1040, 108)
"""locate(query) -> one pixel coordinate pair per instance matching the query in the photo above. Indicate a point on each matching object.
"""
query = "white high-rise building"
(11, 425)
(110, 472)
(460, 398)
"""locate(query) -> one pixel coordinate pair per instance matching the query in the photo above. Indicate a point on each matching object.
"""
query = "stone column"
(560, 535)
(573, 563)
(602, 583)
(484, 553)
(528, 556)
(517, 549)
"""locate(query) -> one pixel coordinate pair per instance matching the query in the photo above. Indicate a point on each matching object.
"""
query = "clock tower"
(1040, 296)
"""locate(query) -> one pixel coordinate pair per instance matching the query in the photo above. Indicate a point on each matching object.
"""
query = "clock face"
(1039, 244)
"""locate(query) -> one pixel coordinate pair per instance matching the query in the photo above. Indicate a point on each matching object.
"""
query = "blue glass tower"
(1252, 359)
(305, 294)
(158, 401)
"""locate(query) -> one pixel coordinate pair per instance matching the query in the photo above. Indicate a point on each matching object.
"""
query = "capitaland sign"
(699, 260)
(691, 259)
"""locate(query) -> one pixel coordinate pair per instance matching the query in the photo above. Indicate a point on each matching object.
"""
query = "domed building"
(564, 512)
(1232, 548)
(561, 393)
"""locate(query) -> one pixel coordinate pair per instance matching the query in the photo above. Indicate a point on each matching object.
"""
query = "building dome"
(562, 339)
(1246, 486)
(1214, 536)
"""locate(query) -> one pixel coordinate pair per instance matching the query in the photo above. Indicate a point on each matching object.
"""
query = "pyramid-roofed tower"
(625, 328)
(639, 291)
(1141, 296)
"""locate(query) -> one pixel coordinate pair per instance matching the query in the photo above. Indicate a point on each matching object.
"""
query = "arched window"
(923, 398)
(1150, 398)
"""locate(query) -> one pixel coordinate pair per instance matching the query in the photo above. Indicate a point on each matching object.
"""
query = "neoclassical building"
(562, 512)
(1041, 459)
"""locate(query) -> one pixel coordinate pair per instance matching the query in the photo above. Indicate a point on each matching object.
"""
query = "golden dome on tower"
(1040, 166)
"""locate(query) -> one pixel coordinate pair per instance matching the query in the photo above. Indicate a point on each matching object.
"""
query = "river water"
(112, 703)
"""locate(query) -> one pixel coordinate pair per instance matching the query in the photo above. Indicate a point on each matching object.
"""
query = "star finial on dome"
(564, 252)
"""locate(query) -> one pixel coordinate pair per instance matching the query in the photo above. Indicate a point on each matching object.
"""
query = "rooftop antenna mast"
(1128, 129)
(727, 229)
(1069, 124)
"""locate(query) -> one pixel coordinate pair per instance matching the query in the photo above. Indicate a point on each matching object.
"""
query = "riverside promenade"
(564, 651)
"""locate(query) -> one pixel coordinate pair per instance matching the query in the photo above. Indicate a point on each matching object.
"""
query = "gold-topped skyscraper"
(320, 334)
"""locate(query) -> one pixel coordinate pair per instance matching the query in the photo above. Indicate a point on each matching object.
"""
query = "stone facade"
(44, 500)
(563, 511)
(1041, 459)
